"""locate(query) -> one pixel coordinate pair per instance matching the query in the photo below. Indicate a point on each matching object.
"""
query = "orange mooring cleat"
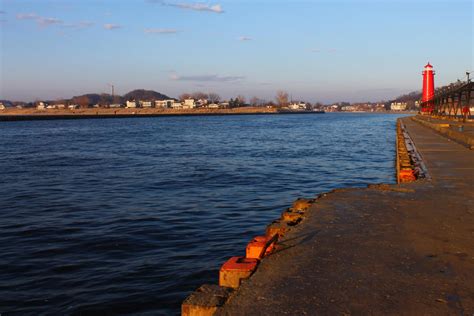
(256, 246)
(236, 269)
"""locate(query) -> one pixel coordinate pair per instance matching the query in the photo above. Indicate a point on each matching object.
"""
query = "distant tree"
(240, 100)
(254, 101)
(198, 95)
(184, 96)
(282, 98)
(116, 99)
(60, 101)
(214, 97)
(82, 101)
(105, 99)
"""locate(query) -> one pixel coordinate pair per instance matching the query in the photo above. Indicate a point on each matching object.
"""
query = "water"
(128, 216)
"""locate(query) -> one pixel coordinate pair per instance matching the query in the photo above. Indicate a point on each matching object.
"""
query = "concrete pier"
(389, 249)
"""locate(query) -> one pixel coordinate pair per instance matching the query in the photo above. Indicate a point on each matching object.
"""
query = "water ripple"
(129, 216)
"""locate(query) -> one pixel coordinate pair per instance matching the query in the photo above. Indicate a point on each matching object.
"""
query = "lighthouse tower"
(428, 88)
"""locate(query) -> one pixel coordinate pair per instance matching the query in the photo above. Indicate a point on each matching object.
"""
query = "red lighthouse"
(428, 88)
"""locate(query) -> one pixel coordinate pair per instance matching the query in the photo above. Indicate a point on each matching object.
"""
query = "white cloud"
(27, 16)
(196, 6)
(207, 78)
(200, 7)
(45, 21)
(48, 21)
(79, 25)
(110, 26)
(161, 31)
(245, 38)
(84, 24)
(42, 21)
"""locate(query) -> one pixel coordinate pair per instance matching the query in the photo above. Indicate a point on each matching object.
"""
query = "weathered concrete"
(461, 132)
(390, 249)
(205, 300)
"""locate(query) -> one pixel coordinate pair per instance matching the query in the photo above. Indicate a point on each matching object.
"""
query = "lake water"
(128, 216)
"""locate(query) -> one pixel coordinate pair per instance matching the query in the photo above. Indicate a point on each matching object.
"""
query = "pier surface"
(388, 249)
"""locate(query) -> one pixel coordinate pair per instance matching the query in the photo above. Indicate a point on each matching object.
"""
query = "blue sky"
(324, 51)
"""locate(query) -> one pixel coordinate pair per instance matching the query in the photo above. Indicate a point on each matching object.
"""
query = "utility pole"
(113, 91)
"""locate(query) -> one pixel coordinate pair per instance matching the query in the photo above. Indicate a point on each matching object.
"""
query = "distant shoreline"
(108, 113)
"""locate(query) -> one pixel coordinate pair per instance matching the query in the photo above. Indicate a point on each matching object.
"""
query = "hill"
(146, 95)
(104, 98)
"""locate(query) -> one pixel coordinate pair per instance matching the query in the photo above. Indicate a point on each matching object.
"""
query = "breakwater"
(210, 299)
(387, 249)
(33, 115)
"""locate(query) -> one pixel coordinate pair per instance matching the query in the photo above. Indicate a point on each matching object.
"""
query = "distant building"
(398, 106)
(115, 105)
(131, 104)
(189, 104)
(213, 106)
(176, 105)
(201, 102)
(348, 108)
(41, 106)
(2, 106)
(146, 104)
(164, 103)
(60, 106)
(73, 107)
(297, 106)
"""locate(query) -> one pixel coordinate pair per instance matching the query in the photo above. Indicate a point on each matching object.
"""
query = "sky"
(317, 51)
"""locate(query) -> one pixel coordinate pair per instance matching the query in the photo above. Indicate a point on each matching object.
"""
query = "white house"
(189, 104)
(297, 106)
(398, 106)
(73, 107)
(176, 105)
(164, 103)
(2, 107)
(131, 104)
(40, 106)
(146, 104)
(115, 105)
(348, 108)
(201, 102)
(161, 104)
